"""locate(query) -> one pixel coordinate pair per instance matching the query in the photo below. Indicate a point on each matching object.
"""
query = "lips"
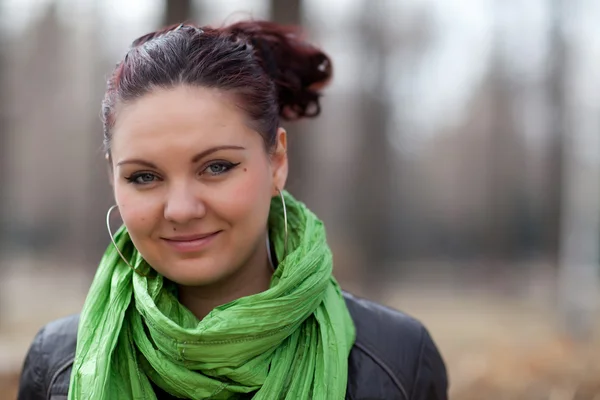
(191, 243)
(189, 238)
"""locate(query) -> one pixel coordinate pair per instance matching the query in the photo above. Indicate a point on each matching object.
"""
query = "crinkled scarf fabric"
(291, 341)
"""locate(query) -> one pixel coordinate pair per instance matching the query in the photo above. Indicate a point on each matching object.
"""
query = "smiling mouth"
(190, 238)
(190, 243)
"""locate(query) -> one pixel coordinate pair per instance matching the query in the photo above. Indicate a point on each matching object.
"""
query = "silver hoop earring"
(112, 239)
(285, 223)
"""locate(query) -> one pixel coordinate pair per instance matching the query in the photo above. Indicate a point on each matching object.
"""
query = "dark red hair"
(269, 68)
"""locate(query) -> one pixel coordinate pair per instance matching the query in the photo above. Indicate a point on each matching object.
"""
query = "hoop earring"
(112, 239)
(285, 223)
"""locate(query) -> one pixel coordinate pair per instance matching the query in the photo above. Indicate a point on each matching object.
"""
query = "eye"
(219, 167)
(141, 178)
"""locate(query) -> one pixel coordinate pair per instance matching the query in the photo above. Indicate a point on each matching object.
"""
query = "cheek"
(248, 198)
(137, 213)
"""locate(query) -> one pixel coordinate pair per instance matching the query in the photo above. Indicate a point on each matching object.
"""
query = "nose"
(182, 205)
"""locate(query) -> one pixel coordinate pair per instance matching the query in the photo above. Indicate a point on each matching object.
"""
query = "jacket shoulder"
(50, 354)
(399, 348)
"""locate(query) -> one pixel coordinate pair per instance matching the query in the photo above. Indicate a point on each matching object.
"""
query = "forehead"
(183, 116)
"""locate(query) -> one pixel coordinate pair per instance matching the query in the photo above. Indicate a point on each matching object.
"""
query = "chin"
(194, 272)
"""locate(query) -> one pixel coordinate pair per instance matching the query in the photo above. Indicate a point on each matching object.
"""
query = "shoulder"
(49, 358)
(395, 350)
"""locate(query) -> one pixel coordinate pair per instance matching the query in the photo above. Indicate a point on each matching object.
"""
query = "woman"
(219, 285)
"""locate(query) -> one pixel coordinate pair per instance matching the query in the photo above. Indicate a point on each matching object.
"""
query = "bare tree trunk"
(505, 165)
(286, 11)
(4, 147)
(502, 155)
(97, 237)
(578, 172)
(177, 11)
(557, 115)
(4, 143)
(373, 192)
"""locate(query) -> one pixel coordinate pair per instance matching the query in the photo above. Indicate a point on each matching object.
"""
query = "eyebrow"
(195, 159)
(206, 152)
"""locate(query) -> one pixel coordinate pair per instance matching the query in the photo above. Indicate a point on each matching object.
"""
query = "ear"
(279, 162)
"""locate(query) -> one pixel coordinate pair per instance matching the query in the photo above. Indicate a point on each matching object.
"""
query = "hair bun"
(299, 70)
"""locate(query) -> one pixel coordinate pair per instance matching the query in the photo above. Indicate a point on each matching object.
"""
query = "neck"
(254, 277)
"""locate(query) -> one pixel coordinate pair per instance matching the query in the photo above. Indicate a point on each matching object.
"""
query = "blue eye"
(142, 178)
(220, 167)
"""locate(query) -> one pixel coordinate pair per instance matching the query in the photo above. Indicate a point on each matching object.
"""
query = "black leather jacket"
(393, 358)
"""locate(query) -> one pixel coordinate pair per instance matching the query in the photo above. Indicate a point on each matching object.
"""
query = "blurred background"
(456, 165)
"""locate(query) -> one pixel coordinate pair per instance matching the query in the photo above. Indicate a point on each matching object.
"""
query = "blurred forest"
(456, 165)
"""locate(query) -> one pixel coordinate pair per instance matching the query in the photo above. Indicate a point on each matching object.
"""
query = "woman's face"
(193, 183)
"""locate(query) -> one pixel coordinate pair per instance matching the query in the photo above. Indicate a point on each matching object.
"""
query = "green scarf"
(291, 341)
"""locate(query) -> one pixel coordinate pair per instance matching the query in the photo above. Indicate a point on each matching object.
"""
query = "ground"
(497, 345)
